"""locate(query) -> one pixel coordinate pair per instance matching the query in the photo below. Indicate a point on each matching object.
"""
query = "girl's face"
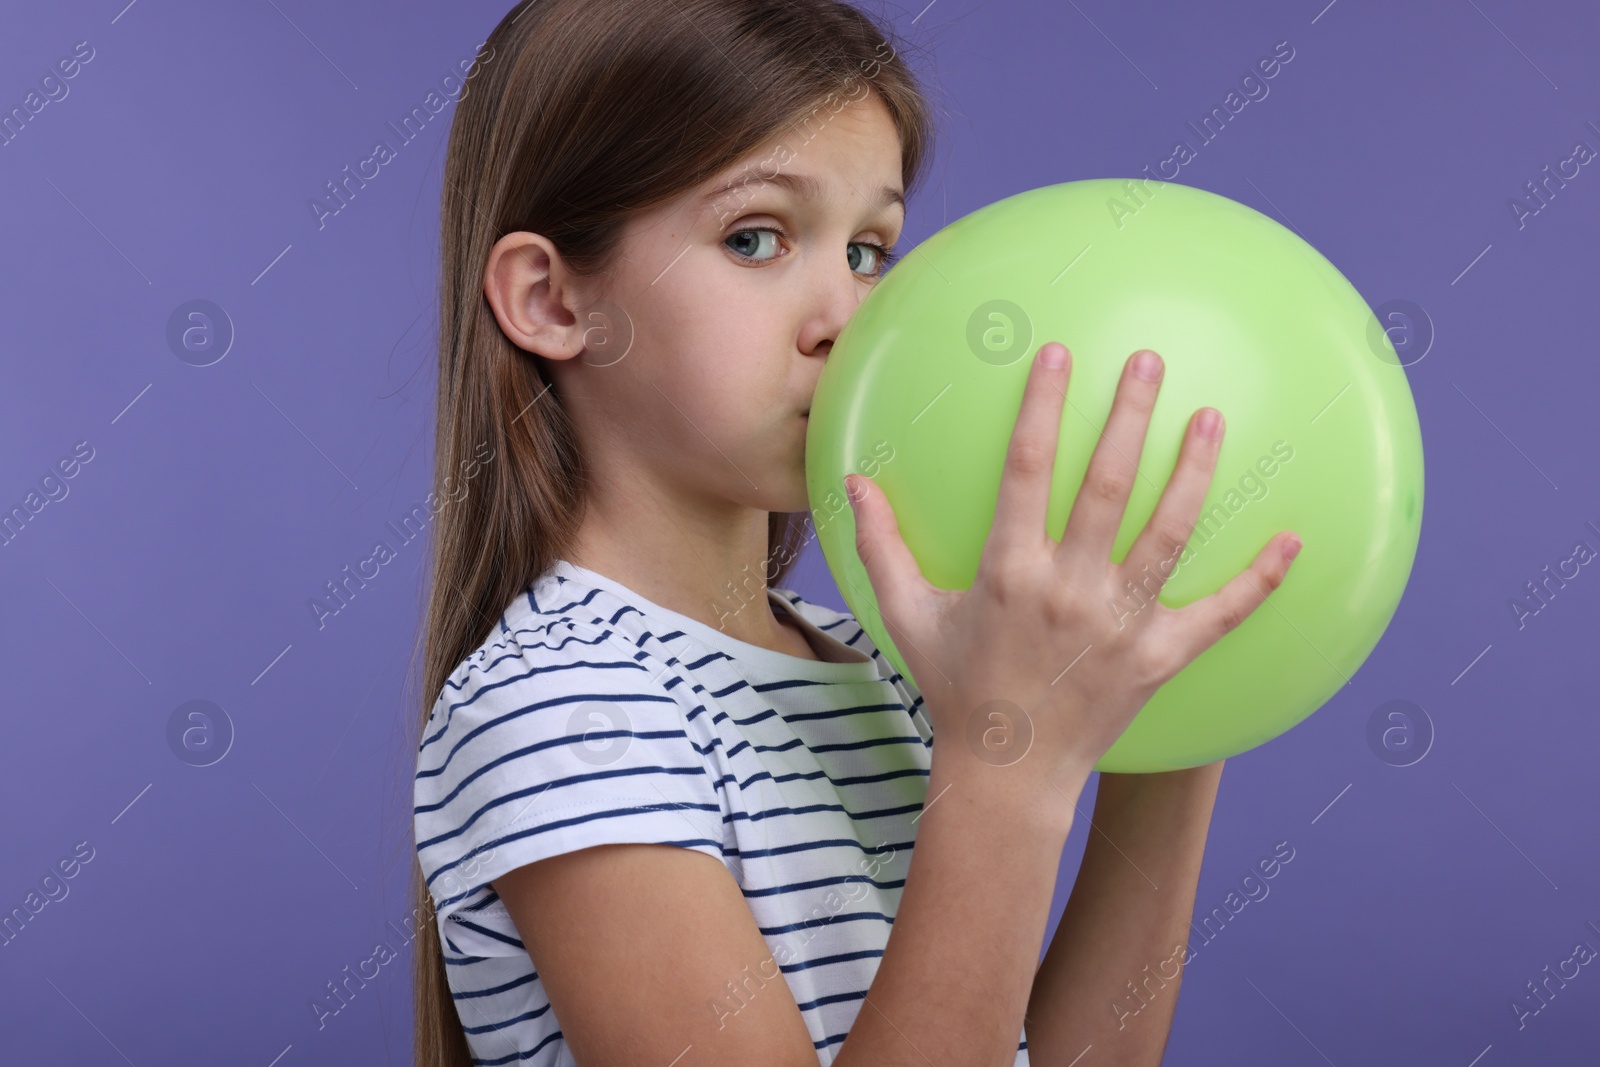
(733, 297)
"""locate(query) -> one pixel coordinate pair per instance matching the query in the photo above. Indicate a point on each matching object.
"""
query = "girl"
(665, 809)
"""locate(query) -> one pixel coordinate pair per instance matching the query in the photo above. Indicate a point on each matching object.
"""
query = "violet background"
(221, 900)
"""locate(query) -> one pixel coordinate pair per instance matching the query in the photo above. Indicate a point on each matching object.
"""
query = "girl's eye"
(750, 243)
(882, 258)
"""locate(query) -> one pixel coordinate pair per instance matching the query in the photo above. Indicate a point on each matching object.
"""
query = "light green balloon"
(922, 389)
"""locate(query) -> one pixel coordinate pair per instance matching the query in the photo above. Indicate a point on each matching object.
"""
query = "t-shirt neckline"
(769, 662)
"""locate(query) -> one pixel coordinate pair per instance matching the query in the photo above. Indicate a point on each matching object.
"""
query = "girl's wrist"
(1018, 794)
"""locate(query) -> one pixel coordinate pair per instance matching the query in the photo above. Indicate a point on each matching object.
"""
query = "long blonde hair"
(580, 115)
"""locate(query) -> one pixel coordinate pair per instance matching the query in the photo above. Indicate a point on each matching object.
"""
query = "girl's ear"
(536, 299)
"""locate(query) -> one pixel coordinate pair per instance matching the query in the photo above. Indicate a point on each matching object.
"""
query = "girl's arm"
(650, 955)
(1110, 977)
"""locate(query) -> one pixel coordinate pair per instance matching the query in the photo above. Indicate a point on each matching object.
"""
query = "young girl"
(665, 809)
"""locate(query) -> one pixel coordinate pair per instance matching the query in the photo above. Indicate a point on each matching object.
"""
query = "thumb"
(890, 566)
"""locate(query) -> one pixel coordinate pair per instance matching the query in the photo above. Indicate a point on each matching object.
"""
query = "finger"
(1155, 553)
(1103, 497)
(1200, 625)
(1024, 498)
(891, 568)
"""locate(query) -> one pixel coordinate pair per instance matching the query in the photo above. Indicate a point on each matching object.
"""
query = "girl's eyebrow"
(802, 185)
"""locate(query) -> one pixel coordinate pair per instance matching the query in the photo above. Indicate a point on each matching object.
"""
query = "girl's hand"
(1040, 629)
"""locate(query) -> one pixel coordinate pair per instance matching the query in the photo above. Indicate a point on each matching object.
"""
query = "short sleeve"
(551, 739)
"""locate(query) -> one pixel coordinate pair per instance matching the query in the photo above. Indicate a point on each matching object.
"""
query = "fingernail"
(850, 491)
(1147, 365)
(1210, 422)
(1291, 548)
(1053, 356)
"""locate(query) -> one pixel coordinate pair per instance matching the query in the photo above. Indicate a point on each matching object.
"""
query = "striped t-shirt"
(592, 716)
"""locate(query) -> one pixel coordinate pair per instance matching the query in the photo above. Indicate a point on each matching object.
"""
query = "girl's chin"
(797, 499)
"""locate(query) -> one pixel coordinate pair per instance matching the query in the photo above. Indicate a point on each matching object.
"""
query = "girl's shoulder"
(560, 639)
(558, 617)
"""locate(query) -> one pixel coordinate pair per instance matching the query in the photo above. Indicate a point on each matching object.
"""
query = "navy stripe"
(511, 797)
(553, 702)
(546, 827)
(566, 741)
